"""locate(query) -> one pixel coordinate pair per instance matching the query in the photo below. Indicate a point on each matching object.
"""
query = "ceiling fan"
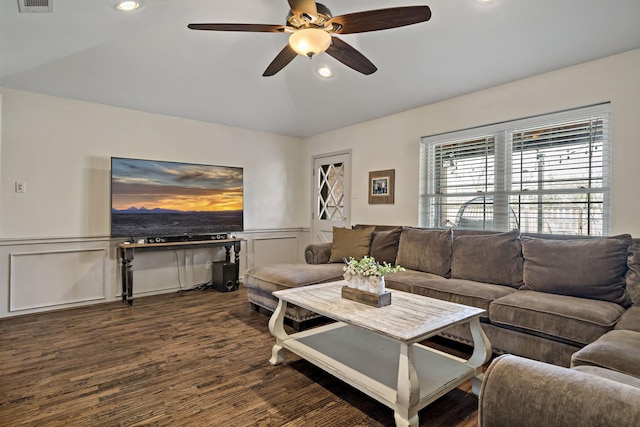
(313, 30)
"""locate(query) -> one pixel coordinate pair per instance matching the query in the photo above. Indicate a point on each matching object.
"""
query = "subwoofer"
(224, 278)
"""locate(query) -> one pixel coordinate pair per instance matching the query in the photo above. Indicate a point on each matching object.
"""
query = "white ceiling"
(148, 60)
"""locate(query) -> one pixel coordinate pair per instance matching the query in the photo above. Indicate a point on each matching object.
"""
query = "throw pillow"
(488, 258)
(425, 250)
(587, 268)
(384, 245)
(350, 243)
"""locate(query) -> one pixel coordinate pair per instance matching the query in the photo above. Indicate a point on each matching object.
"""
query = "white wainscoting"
(58, 277)
(56, 273)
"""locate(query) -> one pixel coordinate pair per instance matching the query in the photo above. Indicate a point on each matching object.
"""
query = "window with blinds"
(546, 174)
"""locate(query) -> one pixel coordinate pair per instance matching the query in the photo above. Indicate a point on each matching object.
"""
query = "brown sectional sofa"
(546, 297)
(551, 302)
(602, 387)
(528, 393)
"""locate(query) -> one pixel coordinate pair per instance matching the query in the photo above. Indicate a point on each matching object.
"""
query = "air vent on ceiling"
(35, 6)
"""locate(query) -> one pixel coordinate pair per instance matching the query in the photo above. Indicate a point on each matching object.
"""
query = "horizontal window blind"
(545, 174)
(465, 166)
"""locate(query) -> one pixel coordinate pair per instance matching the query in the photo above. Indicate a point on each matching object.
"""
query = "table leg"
(227, 253)
(123, 274)
(480, 356)
(408, 392)
(276, 327)
(127, 275)
(236, 260)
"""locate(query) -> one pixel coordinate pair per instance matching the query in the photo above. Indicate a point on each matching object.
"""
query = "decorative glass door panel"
(331, 200)
(331, 191)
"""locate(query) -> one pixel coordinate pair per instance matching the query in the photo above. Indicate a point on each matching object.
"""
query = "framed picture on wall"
(381, 185)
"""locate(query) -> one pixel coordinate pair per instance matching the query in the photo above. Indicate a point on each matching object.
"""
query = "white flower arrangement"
(368, 267)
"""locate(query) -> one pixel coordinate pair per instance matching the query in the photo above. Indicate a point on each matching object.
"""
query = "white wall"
(55, 235)
(393, 142)
(61, 149)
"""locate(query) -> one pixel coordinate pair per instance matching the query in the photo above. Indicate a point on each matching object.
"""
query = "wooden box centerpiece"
(369, 298)
(365, 281)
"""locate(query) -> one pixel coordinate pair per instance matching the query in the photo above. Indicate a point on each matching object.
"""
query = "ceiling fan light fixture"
(310, 41)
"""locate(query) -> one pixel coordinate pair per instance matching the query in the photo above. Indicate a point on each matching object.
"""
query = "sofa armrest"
(524, 392)
(317, 253)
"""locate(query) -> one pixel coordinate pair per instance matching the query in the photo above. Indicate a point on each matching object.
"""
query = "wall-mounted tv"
(167, 199)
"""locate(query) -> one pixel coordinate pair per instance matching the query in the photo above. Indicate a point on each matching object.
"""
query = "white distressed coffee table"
(376, 350)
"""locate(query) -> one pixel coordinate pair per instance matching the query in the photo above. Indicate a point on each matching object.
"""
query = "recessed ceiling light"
(325, 72)
(127, 5)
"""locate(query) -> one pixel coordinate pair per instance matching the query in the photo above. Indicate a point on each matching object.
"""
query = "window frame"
(431, 206)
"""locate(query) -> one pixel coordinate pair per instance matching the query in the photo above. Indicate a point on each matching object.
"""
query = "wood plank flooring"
(196, 358)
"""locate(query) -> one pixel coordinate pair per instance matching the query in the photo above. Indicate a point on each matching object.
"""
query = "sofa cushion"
(458, 232)
(282, 276)
(404, 280)
(633, 272)
(349, 242)
(489, 258)
(378, 227)
(630, 320)
(384, 245)
(587, 268)
(564, 318)
(609, 374)
(460, 291)
(425, 250)
(616, 350)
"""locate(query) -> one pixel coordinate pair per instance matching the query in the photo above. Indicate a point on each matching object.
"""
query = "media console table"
(127, 251)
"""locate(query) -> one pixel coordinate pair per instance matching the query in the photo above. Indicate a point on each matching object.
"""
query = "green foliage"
(368, 266)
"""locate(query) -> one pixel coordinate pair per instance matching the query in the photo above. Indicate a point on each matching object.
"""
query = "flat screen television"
(156, 199)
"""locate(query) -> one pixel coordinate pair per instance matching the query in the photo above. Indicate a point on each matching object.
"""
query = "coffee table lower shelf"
(370, 362)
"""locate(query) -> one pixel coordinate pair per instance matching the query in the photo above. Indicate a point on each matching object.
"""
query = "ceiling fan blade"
(380, 19)
(349, 56)
(285, 56)
(253, 28)
(298, 7)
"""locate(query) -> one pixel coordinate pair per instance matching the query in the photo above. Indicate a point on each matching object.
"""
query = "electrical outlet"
(21, 187)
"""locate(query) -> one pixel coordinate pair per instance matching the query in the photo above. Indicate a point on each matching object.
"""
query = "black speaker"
(224, 278)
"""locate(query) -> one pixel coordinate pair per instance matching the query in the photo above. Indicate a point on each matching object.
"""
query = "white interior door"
(332, 195)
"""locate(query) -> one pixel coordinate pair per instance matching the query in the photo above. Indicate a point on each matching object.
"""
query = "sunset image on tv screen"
(157, 198)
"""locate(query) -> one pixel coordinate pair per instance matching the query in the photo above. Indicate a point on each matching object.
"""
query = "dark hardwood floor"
(196, 358)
